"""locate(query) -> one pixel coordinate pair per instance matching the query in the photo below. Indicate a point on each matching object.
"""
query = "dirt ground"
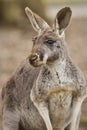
(15, 45)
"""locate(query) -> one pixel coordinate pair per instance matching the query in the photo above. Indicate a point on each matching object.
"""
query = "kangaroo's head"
(49, 45)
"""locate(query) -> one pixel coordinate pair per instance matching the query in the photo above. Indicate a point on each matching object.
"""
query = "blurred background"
(16, 35)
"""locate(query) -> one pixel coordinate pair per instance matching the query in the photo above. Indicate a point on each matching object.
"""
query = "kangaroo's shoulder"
(74, 72)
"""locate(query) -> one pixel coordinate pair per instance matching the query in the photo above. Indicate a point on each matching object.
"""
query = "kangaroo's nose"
(33, 58)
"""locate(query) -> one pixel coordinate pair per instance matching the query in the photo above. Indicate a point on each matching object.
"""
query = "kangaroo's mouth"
(36, 63)
(37, 60)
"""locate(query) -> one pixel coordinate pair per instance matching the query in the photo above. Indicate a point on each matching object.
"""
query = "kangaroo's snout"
(37, 59)
(33, 58)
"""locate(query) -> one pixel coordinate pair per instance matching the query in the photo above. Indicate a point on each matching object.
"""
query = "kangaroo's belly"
(60, 109)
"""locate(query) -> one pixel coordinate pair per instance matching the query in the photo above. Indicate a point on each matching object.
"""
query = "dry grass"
(15, 45)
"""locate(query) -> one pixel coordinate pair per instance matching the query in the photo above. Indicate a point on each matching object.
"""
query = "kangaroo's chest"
(54, 85)
(50, 89)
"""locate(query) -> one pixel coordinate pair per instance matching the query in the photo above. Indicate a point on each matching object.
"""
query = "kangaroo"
(47, 90)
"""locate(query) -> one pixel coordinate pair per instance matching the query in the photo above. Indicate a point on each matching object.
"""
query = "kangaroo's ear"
(37, 22)
(62, 19)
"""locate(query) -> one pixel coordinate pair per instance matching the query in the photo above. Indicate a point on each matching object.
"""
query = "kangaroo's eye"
(50, 42)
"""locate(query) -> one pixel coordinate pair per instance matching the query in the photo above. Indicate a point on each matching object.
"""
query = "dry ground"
(15, 45)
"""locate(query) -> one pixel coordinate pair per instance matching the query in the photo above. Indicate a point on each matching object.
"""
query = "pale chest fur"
(51, 83)
(53, 79)
(49, 88)
(60, 74)
(60, 102)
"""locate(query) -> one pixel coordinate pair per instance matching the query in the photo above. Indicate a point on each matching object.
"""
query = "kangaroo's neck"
(55, 74)
(58, 68)
(55, 71)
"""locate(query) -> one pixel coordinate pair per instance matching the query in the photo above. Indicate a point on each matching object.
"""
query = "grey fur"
(48, 95)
